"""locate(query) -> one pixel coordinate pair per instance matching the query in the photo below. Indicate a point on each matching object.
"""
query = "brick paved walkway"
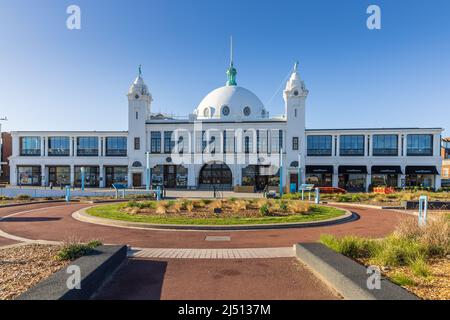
(243, 253)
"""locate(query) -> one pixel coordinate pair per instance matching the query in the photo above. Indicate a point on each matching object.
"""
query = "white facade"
(229, 140)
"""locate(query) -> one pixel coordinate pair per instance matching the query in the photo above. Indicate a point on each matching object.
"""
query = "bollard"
(317, 200)
(423, 206)
(158, 193)
(67, 193)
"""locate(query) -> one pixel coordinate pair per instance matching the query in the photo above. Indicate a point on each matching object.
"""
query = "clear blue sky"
(52, 78)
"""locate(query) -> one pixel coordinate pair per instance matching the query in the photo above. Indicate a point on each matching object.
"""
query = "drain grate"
(217, 238)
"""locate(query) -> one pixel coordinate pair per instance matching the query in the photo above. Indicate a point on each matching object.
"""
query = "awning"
(421, 170)
(386, 170)
(352, 169)
(319, 169)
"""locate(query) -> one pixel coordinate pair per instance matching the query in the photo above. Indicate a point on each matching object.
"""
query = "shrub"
(198, 204)
(161, 209)
(239, 205)
(283, 206)
(4, 197)
(402, 279)
(74, 250)
(343, 198)
(351, 246)
(206, 201)
(298, 206)
(264, 210)
(420, 268)
(23, 197)
(436, 237)
(173, 206)
(217, 204)
(396, 251)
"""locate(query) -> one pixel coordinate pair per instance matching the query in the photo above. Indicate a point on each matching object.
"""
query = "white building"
(229, 140)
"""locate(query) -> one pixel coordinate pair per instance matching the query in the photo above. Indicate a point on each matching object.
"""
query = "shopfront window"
(381, 180)
(420, 180)
(117, 175)
(353, 182)
(116, 146)
(319, 146)
(320, 179)
(385, 145)
(91, 176)
(29, 176)
(59, 176)
(351, 145)
(420, 145)
(30, 146)
(87, 146)
(58, 146)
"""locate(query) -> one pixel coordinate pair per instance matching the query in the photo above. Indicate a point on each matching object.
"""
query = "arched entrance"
(216, 173)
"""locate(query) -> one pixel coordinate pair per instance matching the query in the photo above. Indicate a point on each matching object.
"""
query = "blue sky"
(52, 78)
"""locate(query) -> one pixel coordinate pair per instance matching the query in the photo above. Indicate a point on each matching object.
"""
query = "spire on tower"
(231, 72)
(140, 70)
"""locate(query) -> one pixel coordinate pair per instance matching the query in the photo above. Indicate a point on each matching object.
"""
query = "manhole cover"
(218, 238)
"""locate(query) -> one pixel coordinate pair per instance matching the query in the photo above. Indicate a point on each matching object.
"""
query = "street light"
(1, 143)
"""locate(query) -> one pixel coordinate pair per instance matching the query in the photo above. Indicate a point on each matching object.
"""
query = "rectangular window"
(169, 144)
(261, 137)
(87, 146)
(228, 143)
(30, 146)
(155, 142)
(318, 146)
(385, 145)
(58, 146)
(30, 176)
(137, 143)
(351, 145)
(116, 146)
(295, 143)
(419, 145)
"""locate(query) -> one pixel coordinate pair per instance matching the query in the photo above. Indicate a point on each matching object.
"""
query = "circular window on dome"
(225, 110)
(295, 93)
(136, 96)
(206, 112)
(247, 111)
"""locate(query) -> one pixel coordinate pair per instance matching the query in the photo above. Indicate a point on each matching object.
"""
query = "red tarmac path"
(54, 222)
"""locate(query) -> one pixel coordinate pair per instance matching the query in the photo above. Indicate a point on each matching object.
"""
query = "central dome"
(231, 102)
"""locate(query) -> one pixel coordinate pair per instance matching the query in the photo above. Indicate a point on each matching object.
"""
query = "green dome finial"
(231, 71)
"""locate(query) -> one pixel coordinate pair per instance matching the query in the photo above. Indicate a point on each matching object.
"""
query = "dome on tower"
(230, 102)
(139, 86)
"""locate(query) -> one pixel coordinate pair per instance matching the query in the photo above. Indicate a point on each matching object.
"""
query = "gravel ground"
(22, 267)
(434, 287)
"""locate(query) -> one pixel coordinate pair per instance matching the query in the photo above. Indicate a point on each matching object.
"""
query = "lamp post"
(1, 163)
(83, 170)
(147, 172)
(281, 172)
(299, 173)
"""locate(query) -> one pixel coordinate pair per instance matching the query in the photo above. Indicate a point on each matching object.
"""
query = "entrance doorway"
(170, 176)
(216, 173)
(137, 180)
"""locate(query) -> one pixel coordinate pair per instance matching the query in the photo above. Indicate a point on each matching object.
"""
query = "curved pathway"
(54, 222)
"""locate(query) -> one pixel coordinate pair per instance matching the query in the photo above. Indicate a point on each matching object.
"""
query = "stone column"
(102, 176)
(42, 147)
(335, 182)
(72, 175)
(43, 176)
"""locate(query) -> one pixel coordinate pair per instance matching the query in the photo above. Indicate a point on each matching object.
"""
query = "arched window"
(295, 112)
(137, 164)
